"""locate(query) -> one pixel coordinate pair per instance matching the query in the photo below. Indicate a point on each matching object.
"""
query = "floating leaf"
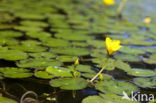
(79, 44)
(13, 55)
(96, 43)
(28, 48)
(133, 51)
(38, 63)
(99, 53)
(123, 66)
(8, 41)
(11, 72)
(71, 51)
(151, 60)
(38, 35)
(27, 29)
(69, 83)
(43, 75)
(106, 98)
(116, 87)
(141, 72)
(127, 57)
(24, 15)
(145, 82)
(60, 72)
(94, 99)
(83, 68)
(51, 42)
(101, 61)
(46, 55)
(33, 23)
(10, 34)
(74, 36)
(66, 58)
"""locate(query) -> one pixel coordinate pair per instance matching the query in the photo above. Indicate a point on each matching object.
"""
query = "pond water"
(40, 40)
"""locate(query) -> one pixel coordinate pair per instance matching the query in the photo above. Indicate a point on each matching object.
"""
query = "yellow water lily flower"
(147, 20)
(109, 2)
(112, 45)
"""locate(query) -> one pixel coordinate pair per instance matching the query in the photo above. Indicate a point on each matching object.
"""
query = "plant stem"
(106, 62)
(74, 73)
(121, 5)
(74, 93)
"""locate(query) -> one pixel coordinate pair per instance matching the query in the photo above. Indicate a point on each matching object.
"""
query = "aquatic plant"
(111, 46)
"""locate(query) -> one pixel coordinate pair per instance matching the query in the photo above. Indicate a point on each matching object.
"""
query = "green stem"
(106, 62)
(121, 5)
(74, 72)
(74, 93)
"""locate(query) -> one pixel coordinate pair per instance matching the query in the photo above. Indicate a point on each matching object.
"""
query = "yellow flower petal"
(109, 2)
(112, 45)
(147, 20)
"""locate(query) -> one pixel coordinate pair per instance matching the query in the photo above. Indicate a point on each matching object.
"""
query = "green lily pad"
(151, 60)
(116, 87)
(11, 72)
(69, 83)
(51, 42)
(151, 50)
(13, 55)
(83, 68)
(141, 72)
(28, 48)
(60, 72)
(31, 42)
(33, 23)
(8, 41)
(74, 36)
(10, 34)
(43, 75)
(94, 99)
(66, 58)
(38, 35)
(24, 15)
(6, 100)
(106, 98)
(96, 43)
(123, 66)
(27, 29)
(113, 98)
(133, 51)
(101, 62)
(127, 57)
(46, 55)
(5, 16)
(71, 51)
(79, 44)
(145, 82)
(99, 53)
(38, 63)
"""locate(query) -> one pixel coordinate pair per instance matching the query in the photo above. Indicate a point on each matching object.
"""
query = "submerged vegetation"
(60, 51)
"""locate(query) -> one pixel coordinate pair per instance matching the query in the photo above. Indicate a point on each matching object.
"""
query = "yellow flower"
(112, 45)
(76, 62)
(108, 2)
(147, 20)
